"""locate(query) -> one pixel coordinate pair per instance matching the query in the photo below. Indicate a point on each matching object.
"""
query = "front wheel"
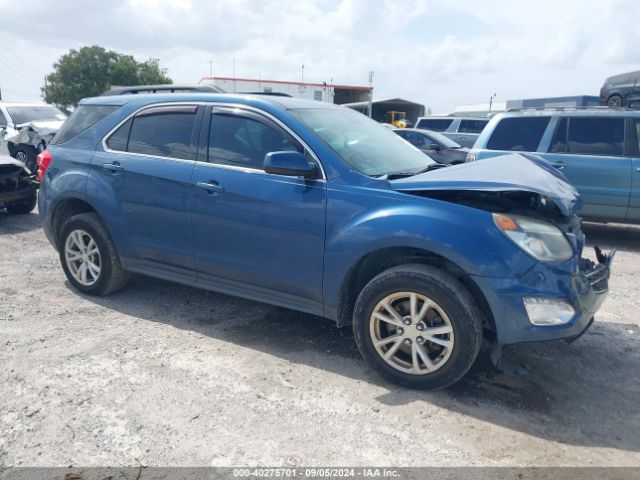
(88, 256)
(418, 326)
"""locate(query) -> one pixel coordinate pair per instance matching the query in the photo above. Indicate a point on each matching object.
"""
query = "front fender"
(359, 223)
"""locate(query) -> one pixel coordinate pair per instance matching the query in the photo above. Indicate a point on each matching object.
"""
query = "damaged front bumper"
(16, 181)
(583, 284)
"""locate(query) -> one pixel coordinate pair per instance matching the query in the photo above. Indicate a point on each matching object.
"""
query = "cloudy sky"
(440, 53)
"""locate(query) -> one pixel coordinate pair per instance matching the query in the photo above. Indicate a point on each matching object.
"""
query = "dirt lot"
(170, 375)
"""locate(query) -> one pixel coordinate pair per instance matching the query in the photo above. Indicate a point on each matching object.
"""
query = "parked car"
(18, 186)
(27, 128)
(597, 150)
(434, 144)
(317, 208)
(621, 90)
(462, 130)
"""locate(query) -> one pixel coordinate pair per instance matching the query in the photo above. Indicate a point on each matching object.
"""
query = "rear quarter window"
(82, 118)
(518, 134)
(434, 124)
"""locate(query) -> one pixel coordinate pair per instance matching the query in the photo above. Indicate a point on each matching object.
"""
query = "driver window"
(244, 141)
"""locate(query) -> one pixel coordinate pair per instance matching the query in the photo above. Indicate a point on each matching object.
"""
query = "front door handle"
(114, 167)
(559, 165)
(637, 169)
(211, 186)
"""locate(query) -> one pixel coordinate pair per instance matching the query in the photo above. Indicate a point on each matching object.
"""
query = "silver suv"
(27, 128)
(462, 130)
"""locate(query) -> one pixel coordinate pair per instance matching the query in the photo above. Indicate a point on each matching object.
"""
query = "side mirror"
(291, 164)
(433, 146)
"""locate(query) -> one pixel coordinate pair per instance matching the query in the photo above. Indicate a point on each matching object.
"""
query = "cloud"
(433, 51)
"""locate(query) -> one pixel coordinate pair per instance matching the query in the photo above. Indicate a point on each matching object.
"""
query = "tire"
(81, 230)
(23, 206)
(27, 155)
(614, 101)
(453, 311)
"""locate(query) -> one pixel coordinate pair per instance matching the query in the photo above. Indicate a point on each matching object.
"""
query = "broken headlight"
(541, 240)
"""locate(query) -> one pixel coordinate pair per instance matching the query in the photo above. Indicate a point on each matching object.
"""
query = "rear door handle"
(211, 186)
(559, 165)
(114, 167)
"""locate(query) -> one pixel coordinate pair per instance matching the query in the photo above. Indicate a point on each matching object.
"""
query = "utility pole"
(370, 93)
(491, 101)
(302, 75)
(210, 62)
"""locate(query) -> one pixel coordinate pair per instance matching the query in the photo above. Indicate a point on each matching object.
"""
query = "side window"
(559, 141)
(244, 141)
(637, 139)
(163, 131)
(434, 124)
(596, 136)
(3, 120)
(413, 138)
(472, 126)
(518, 134)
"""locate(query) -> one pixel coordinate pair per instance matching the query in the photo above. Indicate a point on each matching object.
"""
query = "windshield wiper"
(428, 168)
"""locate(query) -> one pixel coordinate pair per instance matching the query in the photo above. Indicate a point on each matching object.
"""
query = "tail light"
(43, 160)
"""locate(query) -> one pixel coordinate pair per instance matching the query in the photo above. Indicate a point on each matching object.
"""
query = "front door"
(256, 234)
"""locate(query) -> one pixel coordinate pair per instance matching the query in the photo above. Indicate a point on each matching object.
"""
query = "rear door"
(256, 234)
(590, 151)
(634, 141)
(148, 164)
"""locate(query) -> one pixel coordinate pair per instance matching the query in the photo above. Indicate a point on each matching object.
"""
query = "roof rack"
(172, 88)
(166, 88)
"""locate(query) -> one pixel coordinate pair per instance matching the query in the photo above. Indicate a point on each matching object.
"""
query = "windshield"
(35, 113)
(443, 141)
(362, 143)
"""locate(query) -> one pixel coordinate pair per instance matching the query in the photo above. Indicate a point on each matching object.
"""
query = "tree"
(91, 71)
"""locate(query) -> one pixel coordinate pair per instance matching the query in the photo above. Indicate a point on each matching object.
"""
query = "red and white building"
(322, 92)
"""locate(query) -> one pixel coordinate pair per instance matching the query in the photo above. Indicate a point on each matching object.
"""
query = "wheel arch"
(65, 209)
(377, 261)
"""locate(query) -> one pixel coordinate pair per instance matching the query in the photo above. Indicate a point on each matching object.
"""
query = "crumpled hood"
(512, 172)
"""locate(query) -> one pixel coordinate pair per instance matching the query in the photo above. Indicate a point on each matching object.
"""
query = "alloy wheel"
(411, 333)
(83, 257)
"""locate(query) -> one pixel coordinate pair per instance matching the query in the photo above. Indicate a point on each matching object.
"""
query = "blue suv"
(317, 208)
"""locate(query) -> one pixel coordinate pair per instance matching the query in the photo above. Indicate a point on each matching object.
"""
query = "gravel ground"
(169, 375)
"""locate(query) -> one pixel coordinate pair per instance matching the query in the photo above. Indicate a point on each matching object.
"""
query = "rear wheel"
(418, 326)
(88, 256)
(23, 206)
(614, 101)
